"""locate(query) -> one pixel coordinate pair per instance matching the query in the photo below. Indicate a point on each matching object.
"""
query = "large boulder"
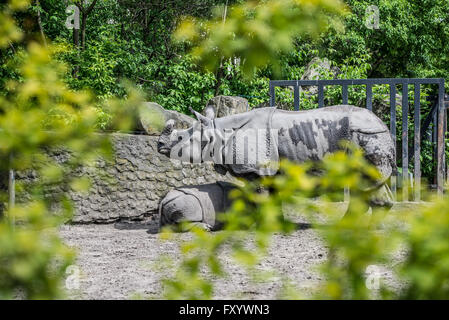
(227, 105)
(316, 69)
(152, 118)
(382, 107)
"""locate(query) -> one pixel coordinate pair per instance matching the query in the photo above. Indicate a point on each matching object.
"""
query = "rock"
(382, 108)
(152, 118)
(318, 69)
(130, 192)
(227, 105)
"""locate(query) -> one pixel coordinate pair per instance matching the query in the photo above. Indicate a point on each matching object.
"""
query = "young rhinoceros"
(244, 143)
(196, 205)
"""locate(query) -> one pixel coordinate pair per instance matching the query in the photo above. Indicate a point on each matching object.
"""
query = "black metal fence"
(439, 117)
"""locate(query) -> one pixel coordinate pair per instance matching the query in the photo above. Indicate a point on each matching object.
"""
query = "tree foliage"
(133, 40)
(257, 32)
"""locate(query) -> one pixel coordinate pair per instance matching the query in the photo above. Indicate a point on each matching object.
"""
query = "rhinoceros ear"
(204, 121)
(210, 112)
(169, 125)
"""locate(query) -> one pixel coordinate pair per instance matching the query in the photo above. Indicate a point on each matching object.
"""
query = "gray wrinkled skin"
(311, 134)
(305, 135)
(198, 205)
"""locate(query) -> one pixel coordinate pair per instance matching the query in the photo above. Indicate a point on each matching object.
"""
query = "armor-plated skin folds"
(250, 144)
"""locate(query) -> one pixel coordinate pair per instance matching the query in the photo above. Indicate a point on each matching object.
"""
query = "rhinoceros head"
(167, 138)
(172, 141)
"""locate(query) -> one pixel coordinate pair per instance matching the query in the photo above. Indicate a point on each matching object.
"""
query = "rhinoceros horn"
(204, 120)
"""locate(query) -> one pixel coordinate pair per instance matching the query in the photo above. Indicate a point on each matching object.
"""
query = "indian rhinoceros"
(269, 134)
(197, 205)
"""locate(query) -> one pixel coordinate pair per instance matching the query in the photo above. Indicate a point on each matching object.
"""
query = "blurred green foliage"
(41, 118)
(260, 215)
(426, 266)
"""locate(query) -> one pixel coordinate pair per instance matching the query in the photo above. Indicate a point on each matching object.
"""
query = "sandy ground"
(120, 261)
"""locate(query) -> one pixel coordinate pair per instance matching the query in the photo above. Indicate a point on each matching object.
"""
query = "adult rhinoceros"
(269, 134)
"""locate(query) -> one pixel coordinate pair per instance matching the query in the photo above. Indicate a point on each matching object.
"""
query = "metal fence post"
(320, 96)
(393, 135)
(272, 95)
(417, 142)
(440, 139)
(369, 97)
(296, 97)
(344, 94)
(11, 191)
(405, 142)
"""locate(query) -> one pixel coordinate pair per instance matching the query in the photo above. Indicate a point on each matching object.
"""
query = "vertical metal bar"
(369, 96)
(344, 94)
(434, 143)
(272, 95)
(347, 194)
(393, 133)
(12, 192)
(296, 97)
(440, 138)
(445, 132)
(320, 96)
(417, 144)
(405, 141)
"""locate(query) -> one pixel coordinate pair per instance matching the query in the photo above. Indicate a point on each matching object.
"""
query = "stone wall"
(132, 185)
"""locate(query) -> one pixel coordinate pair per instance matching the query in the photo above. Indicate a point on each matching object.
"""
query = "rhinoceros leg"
(382, 198)
(379, 151)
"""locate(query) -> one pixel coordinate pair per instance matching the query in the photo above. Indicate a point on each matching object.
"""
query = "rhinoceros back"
(365, 121)
(298, 135)
(252, 149)
(311, 134)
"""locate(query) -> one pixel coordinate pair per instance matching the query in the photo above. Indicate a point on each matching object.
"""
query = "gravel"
(123, 261)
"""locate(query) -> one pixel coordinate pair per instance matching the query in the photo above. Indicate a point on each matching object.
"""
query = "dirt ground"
(120, 261)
